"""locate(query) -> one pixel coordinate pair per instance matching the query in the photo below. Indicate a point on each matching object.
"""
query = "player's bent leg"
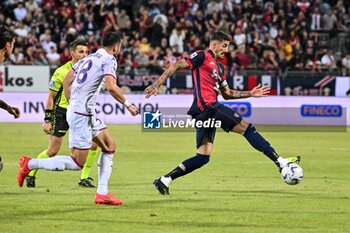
(189, 165)
(105, 162)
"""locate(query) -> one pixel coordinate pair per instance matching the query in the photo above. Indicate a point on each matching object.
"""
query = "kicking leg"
(259, 143)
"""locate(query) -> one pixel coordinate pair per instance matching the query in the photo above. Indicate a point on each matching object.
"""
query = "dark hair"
(74, 44)
(5, 36)
(220, 36)
(110, 39)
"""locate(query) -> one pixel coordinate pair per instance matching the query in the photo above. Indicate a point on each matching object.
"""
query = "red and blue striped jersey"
(208, 77)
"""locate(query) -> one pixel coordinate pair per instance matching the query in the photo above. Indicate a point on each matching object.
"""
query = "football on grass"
(292, 174)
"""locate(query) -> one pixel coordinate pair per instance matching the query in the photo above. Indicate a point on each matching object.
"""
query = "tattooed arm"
(153, 89)
(257, 91)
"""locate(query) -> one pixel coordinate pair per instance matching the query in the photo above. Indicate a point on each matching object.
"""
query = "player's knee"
(241, 127)
(202, 159)
(112, 146)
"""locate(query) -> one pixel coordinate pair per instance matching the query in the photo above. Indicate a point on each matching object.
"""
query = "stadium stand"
(281, 35)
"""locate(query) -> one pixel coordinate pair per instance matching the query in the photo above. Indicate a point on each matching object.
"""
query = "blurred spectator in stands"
(287, 48)
(20, 11)
(239, 38)
(21, 29)
(227, 7)
(233, 63)
(122, 19)
(197, 44)
(274, 31)
(329, 20)
(153, 8)
(92, 44)
(38, 21)
(315, 19)
(129, 64)
(17, 57)
(79, 24)
(346, 65)
(178, 7)
(144, 45)
(47, 44)
(176, 39)
(53, 57)
(31, 6)
(158, 32)
(328, 61)
(293, 38)
(145, 21)
(110, 22)
(214, 20)
(298, 57)
(268, 61)
(199, 23)
(28, 56)
(243, 59)
(90, 27)
(62, 45)
(39, 57)
(156, 61)
(65, 10)
(169, 58)
(213, 6)
(65, 56)
(142, 62)
(164, 44)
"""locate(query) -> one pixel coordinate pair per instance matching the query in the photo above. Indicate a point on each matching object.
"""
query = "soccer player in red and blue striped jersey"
(209, 79)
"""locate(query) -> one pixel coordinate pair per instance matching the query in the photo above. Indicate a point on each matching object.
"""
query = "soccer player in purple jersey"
(209, 79)
(81, 87)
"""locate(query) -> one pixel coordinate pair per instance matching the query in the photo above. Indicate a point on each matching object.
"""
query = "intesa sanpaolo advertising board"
(272, 110)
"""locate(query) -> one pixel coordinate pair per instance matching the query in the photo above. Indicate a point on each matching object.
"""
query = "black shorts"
(228, 117)
(59, 122)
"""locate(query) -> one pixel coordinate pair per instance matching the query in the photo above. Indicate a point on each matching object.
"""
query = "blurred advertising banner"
(249, 81)
(273, 110)
(24, 78)
(342, 86)
(304, 86)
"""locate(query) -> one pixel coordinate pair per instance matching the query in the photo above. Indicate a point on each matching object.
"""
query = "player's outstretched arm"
(67, 84)
(12, 110)
(153, 89)
(116, 92)
(258, 91)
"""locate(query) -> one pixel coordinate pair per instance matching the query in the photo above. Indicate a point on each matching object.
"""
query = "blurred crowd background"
(276, 35)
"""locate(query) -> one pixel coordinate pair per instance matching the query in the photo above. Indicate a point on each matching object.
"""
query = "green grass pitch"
(240, 190)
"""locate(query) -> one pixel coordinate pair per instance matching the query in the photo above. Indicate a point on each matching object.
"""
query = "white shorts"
(82, 129)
